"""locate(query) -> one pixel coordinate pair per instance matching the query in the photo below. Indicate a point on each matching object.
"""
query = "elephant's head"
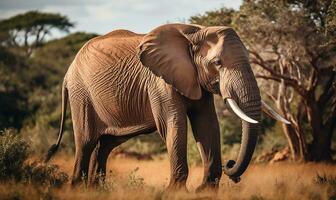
(191, 57)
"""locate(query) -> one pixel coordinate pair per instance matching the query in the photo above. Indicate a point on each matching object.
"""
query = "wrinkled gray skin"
(124, 84)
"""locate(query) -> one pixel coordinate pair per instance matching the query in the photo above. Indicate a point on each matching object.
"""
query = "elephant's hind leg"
(85, 124)
(106, 144)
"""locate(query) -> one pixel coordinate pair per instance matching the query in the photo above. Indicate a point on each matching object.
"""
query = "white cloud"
(102, 16)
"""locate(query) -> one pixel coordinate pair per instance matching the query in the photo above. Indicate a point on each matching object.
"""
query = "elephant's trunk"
(234, 169)
(244, 90)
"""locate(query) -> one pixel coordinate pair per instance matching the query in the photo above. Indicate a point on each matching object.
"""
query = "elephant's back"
(110, 53)
(122, 33)
(115, 44)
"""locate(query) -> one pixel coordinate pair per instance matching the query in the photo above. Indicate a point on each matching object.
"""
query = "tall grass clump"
(329, 182)
(135, 181)
(44, 175)
(13, 153)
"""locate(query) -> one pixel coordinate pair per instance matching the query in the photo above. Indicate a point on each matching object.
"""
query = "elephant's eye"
(217, 62)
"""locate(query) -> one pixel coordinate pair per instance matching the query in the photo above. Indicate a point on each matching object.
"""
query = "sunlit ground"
(129, 178)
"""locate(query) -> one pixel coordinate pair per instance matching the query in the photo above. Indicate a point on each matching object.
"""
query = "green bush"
(13, 152)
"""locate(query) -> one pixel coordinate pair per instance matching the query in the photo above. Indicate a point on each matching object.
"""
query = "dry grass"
(134, 179)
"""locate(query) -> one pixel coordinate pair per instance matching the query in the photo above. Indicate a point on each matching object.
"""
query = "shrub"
(13, 152)
(44, 175)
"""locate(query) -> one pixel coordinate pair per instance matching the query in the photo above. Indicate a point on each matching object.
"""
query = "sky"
(103, 16)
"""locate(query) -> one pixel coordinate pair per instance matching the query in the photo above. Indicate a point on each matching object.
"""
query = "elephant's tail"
(52, 150)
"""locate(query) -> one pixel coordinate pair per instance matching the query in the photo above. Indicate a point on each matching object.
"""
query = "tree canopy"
(222, 16)
(29, 29)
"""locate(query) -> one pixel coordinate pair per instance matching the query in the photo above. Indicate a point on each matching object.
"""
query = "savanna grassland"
(263, 181)
(130, 178)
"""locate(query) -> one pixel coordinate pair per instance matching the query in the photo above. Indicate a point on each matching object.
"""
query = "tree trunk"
(296, 142)
(292, 140)
(320, 149)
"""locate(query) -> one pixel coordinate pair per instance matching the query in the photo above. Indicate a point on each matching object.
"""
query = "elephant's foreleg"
(172, 127)
(169, 112)
(176, 141)
(205, 127)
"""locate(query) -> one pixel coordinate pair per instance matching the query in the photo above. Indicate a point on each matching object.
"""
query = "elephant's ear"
(165, 51)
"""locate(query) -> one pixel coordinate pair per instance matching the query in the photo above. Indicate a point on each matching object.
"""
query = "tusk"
(234, 106)
(268, 110)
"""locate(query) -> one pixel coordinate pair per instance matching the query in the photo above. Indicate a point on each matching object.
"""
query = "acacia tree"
(289, 42)
(28, 30)
(292, 48)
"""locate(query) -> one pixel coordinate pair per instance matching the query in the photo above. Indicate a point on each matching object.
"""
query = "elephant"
(123, 84)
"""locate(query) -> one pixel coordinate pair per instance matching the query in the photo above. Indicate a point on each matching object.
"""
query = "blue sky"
(102, 16)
